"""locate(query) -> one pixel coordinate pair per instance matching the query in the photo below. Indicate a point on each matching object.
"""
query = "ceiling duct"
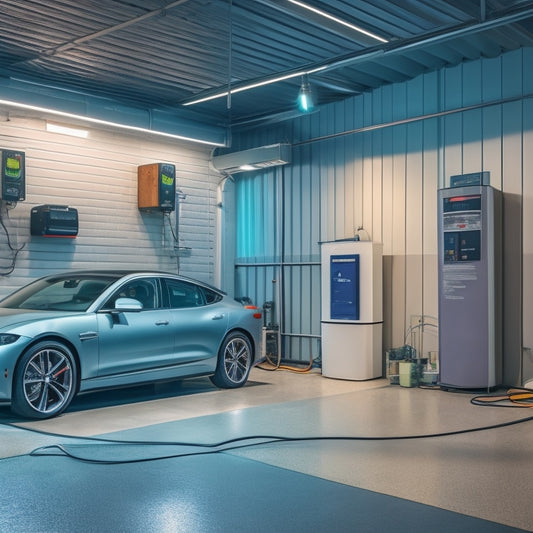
(253, 159)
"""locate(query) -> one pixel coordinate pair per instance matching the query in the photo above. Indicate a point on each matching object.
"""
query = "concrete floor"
(484, 474)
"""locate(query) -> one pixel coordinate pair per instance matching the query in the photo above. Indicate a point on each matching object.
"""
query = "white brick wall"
(98, 176)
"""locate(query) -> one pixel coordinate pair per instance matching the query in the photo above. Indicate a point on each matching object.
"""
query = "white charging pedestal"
(352, 309)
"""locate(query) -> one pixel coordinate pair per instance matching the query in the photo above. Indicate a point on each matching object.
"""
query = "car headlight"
(8, 338)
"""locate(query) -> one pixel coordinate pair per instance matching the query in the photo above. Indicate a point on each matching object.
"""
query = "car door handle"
(162, 323)
(88, 335)
(217, 317)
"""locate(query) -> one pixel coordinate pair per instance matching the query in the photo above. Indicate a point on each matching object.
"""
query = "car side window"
(211, 297)
(182, 294)
(143, 290)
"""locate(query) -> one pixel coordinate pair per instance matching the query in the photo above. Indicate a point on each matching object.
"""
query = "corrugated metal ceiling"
(160, 55)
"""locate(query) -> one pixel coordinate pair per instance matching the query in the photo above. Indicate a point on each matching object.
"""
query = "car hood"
(17, 317)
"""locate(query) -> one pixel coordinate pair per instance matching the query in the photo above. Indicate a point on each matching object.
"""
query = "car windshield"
(65, 293)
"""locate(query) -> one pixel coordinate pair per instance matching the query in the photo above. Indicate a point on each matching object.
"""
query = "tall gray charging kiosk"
(469, 227)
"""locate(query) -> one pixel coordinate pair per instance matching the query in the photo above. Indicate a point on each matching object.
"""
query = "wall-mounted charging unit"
(352, 316)
(156, 187)
(470, 345)
(12, 176)
(54, 221)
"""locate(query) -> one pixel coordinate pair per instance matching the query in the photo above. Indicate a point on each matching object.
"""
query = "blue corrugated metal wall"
(376, 161)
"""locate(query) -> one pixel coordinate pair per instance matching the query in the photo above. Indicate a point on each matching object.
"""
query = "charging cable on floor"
(514, 398)
(271, 367)
(233, 444)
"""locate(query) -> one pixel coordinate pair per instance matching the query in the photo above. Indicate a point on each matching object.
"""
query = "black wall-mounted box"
(12, 175)
(54, 221)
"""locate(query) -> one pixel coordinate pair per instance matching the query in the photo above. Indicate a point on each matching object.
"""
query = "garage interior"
(405, 96)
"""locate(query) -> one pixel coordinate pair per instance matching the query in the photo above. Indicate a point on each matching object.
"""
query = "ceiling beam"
(73, 43)
(392, 48)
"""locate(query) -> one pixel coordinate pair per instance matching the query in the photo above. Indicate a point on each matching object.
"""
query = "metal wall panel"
(385, 178)
(527, 248)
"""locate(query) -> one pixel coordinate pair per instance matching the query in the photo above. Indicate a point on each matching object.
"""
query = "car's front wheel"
(234, 362)
(45, 381)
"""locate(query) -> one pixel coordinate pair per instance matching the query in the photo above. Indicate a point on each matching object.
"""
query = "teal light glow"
(305, 97)
(255, 216)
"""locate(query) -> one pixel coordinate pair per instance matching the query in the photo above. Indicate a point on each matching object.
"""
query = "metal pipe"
(301, 335)
(277, 264)
(110, 29)
(418, 118)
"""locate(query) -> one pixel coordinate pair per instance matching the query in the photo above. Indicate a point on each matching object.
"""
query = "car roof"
(124, 273)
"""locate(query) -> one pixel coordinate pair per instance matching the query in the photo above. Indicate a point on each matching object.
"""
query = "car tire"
(234, 361)
(45, 381)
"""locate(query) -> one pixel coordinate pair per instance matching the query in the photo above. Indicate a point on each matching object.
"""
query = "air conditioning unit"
(253, 159)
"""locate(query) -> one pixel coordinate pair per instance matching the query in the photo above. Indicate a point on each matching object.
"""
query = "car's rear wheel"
(234, 362)
(45, 381)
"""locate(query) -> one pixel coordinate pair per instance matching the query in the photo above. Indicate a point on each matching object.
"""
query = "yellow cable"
(515, 396)
(278, 366)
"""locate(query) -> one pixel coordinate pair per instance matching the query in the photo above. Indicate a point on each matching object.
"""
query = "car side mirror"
(128, 304)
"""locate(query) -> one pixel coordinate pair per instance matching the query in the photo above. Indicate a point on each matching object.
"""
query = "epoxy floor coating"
(472, 481)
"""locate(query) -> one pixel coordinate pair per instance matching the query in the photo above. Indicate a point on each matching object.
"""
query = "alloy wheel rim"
(47, 380)
(236, 360)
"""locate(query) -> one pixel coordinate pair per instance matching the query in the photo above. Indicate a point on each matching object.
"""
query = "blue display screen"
(462, 246)
(344, 283)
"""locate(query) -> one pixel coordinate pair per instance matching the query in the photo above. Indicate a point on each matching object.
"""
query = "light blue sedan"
(84, 330)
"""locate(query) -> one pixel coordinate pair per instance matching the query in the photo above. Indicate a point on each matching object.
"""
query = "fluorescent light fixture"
(91, 120)
(66, 130)
(254, 85)
(339, 21)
